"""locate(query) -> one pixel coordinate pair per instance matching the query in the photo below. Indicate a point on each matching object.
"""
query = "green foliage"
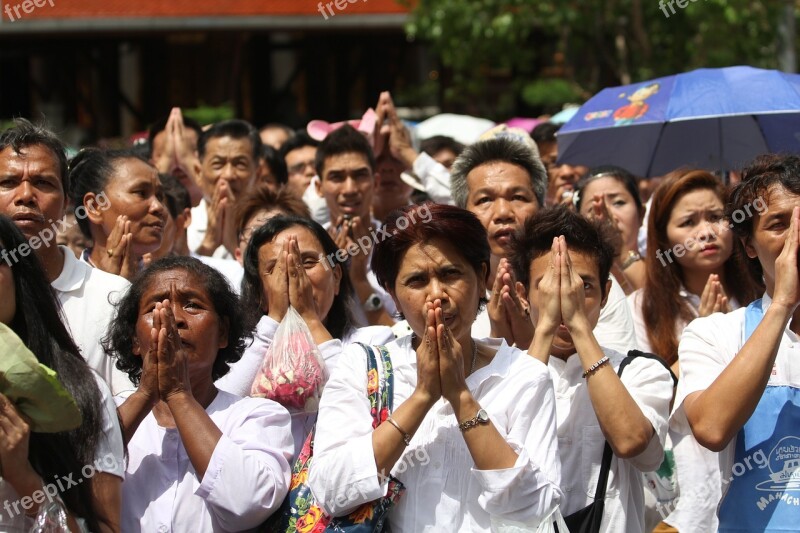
(208, 115)
(498, 52)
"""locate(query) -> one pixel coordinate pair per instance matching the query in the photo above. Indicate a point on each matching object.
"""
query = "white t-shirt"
(243, 372)
(88, 296)
(581, 441)
(444, 490)
(196, 231)
(614, 328)
(108, 458)
(246, 480)
(707, 346)
(695, 465)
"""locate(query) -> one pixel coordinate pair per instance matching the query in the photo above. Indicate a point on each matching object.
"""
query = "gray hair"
(499, 149)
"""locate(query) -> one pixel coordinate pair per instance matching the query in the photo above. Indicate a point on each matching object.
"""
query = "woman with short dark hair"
(472, 432)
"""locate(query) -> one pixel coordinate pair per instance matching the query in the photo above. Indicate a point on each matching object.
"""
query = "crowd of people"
(508, 340)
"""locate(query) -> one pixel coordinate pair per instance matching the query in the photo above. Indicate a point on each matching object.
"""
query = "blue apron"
(764, 492)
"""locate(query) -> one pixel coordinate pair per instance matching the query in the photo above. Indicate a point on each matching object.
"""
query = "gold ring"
(110, 252)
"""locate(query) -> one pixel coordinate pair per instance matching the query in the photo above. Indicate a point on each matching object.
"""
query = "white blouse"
(243, 372)
(581, 441)
(444, 490)
(246, 480)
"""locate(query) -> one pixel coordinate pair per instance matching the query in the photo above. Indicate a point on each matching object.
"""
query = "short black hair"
(235, 129)
(344, 140)
(24, 134)
(545, 133)
(119, 341)
(161, 124)
(300, 140)
(275, 162)
(535, 238)
(437, 143)
(176, 197)
(764, 172)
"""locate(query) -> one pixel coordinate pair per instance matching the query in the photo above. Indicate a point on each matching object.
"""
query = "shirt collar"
(74, 273)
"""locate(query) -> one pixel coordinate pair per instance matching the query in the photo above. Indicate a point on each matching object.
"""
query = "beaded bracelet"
(595, 366)
(406, 436)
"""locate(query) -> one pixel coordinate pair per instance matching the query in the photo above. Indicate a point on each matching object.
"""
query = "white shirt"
(229, 268)
(243, 372)
(246, 480)
(444, 490)
(196, 231)
(614, 328)
(707, 346)
(435, 178)
(581, 441)
(695, 465)
(316, 204)
(88, 296)
(108, 458)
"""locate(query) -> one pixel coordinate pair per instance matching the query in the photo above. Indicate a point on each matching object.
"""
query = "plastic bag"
(52, 518)
(293, 372)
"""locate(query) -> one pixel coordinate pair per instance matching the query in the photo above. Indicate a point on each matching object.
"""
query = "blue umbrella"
(717, 119)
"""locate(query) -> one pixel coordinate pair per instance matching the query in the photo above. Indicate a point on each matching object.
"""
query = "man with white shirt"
(563, 262)
(345, 165)
(228, 153)
(503, 182)
(739, 392)
(33, 185)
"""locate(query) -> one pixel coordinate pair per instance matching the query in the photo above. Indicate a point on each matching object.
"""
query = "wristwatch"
(373, 303)
(481, 418)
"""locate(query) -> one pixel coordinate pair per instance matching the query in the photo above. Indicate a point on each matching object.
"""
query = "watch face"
(483, 416)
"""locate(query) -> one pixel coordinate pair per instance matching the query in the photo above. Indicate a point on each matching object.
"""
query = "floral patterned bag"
(299, 513)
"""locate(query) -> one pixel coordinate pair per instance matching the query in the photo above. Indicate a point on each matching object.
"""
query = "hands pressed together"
(165, 365)
(442, 362)
(288, 284)
(119, 258)
(509, 313)
(221, 228)
(179, 157)
(352, 235)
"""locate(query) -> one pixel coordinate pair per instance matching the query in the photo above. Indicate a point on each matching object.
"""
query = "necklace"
(474, 356)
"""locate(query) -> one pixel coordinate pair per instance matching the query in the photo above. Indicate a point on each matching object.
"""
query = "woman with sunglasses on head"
(291, 260)
(31, 460)
(611, 194)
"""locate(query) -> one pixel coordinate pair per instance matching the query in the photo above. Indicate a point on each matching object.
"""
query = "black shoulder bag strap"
(605, 465)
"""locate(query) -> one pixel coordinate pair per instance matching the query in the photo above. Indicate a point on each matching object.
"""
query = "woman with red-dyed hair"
(472, 433)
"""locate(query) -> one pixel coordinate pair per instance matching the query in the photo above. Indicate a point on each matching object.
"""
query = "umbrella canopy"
(717, 119)
(463, 128)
